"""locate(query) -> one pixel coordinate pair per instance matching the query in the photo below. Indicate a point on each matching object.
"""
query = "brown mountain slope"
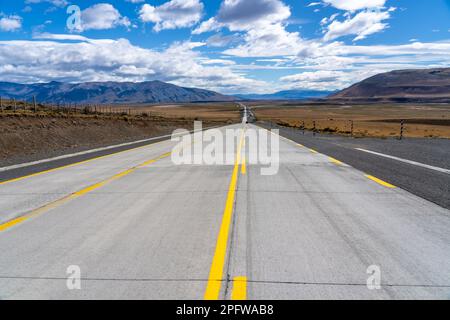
(422, 85)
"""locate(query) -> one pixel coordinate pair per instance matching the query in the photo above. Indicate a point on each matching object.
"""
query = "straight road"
(140, 227)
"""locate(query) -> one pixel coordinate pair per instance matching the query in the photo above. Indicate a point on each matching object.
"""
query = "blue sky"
(232, 46)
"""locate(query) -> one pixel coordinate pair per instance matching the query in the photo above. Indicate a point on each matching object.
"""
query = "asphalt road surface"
(140, 227)
(413, 175)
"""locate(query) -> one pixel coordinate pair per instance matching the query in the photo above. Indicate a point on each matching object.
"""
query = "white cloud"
(263, 23)
(173, 14)
(362, 24)
(116, 60)
(52, 36)
(57, 3)
(336, 65)
(317, 80)
(102, 16)
(268, 41)
(208, 25)
(217, 61)
(10, 23)
(27, 9)
(326, 66)
(353, 5)
(327, 20)
(258, 28)
(240, 15)
(220, 40)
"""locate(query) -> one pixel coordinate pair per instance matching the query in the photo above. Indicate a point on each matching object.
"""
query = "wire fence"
(33, 106)
(354, 128)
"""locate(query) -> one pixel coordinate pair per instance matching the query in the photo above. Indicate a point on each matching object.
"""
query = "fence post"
(34, 103)
(1, 104)
(15, 105)
(402, 125)
(351, 128)
(314, 128)
(303, 127)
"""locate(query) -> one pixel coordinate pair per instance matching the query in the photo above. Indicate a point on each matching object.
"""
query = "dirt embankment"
(26, 138)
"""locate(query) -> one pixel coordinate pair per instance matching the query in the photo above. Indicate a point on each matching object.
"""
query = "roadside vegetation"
(427, 121)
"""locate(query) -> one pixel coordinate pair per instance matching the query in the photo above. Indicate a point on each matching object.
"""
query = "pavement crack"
(107, 279)
(307, 283)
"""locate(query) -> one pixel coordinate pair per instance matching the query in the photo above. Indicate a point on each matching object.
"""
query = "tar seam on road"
(215, 278)
(237, 279)
(240, 279)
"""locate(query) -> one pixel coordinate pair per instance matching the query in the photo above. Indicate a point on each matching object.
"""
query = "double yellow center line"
(218, 263)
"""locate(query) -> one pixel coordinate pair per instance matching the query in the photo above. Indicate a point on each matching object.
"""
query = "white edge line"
(28, 164)
(406, 161)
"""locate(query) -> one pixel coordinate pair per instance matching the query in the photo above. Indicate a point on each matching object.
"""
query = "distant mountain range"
(287, 95)
(109, 93)
(422, 85)
(418, 85)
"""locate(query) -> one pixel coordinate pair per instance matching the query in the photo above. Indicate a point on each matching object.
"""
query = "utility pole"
(15, 105)
(1, 104)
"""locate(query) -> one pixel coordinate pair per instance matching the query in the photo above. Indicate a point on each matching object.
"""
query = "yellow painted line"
(379, 181)
(244, 166)
(300, 145)
(313, 151)
(75, 164)
(244, 162)
(101, 184)
(239, 291)
(12, 223)
(149, 162)
(216, 272)
(335, 161)
(37, 212)
(73, 196)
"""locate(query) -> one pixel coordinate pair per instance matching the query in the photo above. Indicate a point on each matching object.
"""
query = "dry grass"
(223, 113)
(226, 112)
(368, 120)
